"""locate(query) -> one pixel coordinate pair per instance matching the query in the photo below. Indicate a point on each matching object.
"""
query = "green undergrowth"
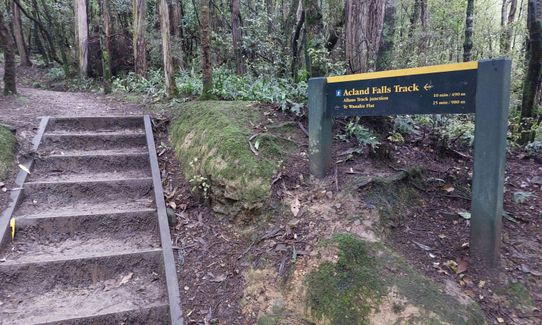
(7, 148)
(349, 290)
(211, 139)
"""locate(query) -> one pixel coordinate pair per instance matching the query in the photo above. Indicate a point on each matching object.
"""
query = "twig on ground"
(336, 179)
(303, 128)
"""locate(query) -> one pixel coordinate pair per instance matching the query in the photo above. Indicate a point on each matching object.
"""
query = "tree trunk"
(269, 10)
(364, 21)
(414, 17)
(81, 27)
(19, 37)
(296, 34)
(469, 30)
(175, 14)
(171, 87)
(105, 42)
(315, 47)
(37, 41)
(10, 86)
(534, 70)
(237, 37)
(507, 21)
(140, 51)
(384, 57)
(206, 67)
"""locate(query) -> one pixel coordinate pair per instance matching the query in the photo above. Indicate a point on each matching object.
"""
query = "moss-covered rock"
(211, 139)
(7, 151)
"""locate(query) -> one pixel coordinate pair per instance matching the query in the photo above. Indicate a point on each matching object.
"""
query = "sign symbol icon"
(427, 87)
(339, 93)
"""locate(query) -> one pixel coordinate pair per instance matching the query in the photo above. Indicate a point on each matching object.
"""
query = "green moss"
(7, 155)
(211, 140)
(344, 292)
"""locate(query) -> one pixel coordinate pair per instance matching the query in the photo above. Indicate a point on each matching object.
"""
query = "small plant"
(404, 125)
(202, 184)
(199, 182)
(396, 137)
(56, 73)
(361, 134)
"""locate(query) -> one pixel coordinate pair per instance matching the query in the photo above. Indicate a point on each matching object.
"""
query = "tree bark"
(296, 34)
(10, 86)
(269, 10)
(414, 17)
(19, 37)
(534, 70)
(469, 30)
(81, 28)
(384, 57)
(105, 42)
(364, 21)
(171, 87)
(508, 14)
(139, 26)
(237, 37)
(315, 46)
(206, 67)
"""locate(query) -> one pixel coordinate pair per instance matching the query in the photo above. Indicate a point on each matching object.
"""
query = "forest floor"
(430, 232)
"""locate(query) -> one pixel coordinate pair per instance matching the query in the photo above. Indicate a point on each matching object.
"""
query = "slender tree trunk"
(237, 37)
(206, 67)
(171, 87)
(10, 85)
(19, 37)
(531, 83)
(37, 41)
(140, 51)
(469, 30)
(384, 58)
(81, 27)
(414, 17)
(175, 14)
(315, 46)
(269, 10)
(296, 34)
(508, 14)
(364, 21)
(105, 42)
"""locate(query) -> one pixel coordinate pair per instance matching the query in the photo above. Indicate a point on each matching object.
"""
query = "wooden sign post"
(481, 87)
